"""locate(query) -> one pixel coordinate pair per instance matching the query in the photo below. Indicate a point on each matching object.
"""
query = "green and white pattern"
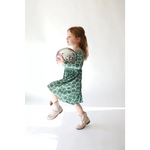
(69, 89)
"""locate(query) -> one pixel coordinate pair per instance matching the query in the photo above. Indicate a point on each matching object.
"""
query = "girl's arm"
(77, 64)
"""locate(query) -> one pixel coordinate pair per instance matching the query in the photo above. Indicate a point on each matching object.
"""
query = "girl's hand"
(60, 61)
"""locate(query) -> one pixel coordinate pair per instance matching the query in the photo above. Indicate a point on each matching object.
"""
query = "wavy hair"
(79, 32)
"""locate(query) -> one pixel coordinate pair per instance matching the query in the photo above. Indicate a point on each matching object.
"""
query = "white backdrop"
(46, 26)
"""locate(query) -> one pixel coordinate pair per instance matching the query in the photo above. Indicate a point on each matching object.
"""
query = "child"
(69, 88)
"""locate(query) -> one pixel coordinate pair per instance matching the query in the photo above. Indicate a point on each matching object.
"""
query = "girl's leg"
(54, 98)
(83, 115)
(79, 109)
(56, 109)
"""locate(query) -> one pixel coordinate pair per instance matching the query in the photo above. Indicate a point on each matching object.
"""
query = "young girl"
(69, 88)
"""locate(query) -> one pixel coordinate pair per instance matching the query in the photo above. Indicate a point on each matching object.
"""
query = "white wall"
(103, 73)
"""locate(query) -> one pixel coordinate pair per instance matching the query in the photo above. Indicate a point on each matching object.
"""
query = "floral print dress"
(69, 89)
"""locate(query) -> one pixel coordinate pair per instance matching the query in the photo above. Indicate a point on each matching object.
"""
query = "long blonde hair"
(79, 32)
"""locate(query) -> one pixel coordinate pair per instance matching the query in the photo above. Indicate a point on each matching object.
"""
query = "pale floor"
(105, 132)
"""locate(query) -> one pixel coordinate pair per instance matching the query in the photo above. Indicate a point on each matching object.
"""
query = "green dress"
(69, 89)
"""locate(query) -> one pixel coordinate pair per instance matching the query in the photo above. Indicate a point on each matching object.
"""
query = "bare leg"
(56, 109)
(79, 109)
(54, 98)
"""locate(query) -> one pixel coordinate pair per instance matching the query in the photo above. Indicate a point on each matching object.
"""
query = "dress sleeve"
(78, 63)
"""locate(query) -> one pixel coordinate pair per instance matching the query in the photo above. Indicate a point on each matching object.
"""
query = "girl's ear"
(78, 39)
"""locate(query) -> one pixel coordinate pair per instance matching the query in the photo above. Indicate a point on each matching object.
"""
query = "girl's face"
(71, 39)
